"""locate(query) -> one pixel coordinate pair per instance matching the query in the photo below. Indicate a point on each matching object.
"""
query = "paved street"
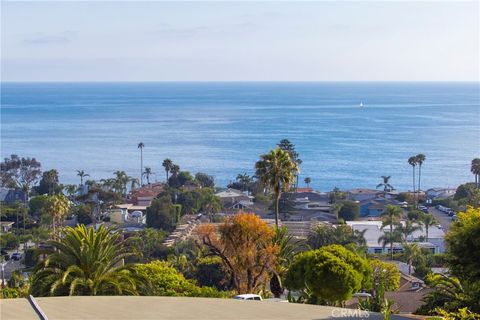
(444, 220)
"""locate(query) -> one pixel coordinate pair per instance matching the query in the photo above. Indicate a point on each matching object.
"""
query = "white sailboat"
(361, 104)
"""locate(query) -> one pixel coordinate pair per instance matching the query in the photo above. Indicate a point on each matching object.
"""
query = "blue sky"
(217, 41)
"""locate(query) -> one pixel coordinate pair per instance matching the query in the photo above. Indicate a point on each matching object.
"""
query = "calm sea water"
(222, 128)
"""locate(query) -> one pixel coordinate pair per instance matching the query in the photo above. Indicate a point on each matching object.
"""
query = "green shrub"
(158, 278)
(210, 272)
(331, 273)
(13, 293)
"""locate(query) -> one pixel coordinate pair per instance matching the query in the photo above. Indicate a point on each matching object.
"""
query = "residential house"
(144, 196)
(235, 199)
(300, 190)
(374, 207)
(6, 226)
(362, 194)
(311, 200)
(10, 196)
(190, 186)
(440, 193)
(407, 298)
(373, 231)
(128, 213)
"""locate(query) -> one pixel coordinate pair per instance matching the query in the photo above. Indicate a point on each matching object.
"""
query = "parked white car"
(248, 296)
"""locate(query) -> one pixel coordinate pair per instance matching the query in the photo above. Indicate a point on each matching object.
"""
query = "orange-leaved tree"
(244, 243)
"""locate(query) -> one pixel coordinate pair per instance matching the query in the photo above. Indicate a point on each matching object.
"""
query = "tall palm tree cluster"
(415, 161)
(400, 232)
(475, 169)
(119, 183)
(171, 169)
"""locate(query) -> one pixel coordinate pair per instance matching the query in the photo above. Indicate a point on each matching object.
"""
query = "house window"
(377, 250)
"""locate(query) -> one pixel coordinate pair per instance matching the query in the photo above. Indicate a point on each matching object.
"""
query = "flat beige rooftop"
(178, 308)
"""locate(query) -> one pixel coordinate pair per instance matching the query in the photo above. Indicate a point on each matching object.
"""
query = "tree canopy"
(162, 214)
(159, 278)
(463, 245)
(332, 273)
(324, 235)
(244, 242)
(349, 210)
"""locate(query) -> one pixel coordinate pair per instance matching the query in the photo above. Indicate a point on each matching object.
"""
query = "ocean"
(222, 128)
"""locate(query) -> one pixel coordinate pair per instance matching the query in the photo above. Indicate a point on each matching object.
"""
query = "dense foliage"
(463, 245)
(462, 288)
(324, 235)
(349, 210)
(162, 214)
(332, 273)
(158, 278)
(244, 242)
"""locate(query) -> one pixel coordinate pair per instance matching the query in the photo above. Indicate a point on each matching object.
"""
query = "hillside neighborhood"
(304, 211)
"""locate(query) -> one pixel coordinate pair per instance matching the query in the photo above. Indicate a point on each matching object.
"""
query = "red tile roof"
(148, 191)
(300, 190)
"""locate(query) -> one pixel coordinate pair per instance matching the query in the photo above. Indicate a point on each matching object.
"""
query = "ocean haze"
(221, 128)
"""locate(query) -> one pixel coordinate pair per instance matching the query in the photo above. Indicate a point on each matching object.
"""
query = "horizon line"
(241, 81)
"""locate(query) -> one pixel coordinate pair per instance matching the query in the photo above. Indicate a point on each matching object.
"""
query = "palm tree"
(475, 169)
(56, 206)
(428, 220)
(390, 240)
(387, 187)
(82, 175)
(412, 252)
(407, 229)
(445, 290)
(134, 182)
(420, 159)
(84, 262)
(244, 180)
(277, 171)
(287, 246)
(212, 205)
(390, 217)
(289, 147)
(175, 170)
(307, 180)
(140, 146)
(167, 164)
(147, 173)
(413, 162)
(108, 184)
(70, 189)
(121, 181)
(91, 184)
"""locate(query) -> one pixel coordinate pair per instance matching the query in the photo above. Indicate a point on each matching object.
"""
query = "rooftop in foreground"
(179, 308)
